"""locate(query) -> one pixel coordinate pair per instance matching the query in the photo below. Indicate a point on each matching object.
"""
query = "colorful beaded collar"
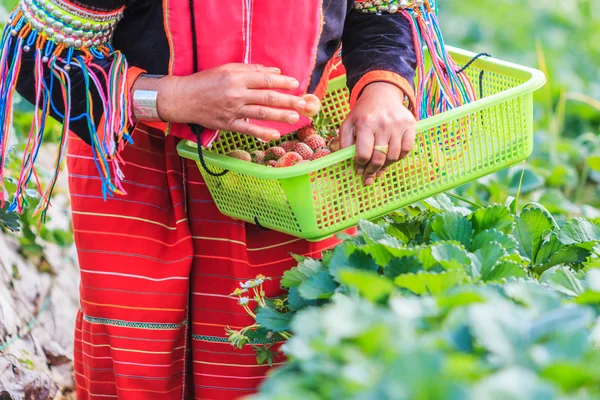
(69, 25)
(385, 6)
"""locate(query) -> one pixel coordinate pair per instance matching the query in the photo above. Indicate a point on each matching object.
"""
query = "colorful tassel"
(20, 37)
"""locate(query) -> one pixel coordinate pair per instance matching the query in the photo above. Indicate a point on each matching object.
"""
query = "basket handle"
(197, 130)
(481, 74)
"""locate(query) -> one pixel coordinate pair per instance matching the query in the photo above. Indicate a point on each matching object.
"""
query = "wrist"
(159, 88)
(382, 88)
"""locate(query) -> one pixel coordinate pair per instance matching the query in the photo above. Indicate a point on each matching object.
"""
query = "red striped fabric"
(157, 266)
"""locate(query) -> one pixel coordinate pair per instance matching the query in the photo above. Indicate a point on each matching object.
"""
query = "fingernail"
(360, 171)
(369, 182)
(293, 118)
(301, 105)
(277, 70)
(294, 84)
(275, 136)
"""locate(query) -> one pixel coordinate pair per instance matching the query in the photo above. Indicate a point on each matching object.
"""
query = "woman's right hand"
(224, 97)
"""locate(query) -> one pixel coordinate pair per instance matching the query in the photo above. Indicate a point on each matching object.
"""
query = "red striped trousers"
(157, 267)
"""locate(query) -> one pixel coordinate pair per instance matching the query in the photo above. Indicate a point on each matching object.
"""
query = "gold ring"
(384, 149)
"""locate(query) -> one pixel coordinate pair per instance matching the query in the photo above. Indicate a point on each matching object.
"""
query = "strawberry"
(288, 159)
(334, 144)
(305, 132)
(271, 163)
(289, 145)
(315, 142)
(304, 150)
(240, 155)
(258, 156)
(302, 162)
(277, 151)
(321, 153)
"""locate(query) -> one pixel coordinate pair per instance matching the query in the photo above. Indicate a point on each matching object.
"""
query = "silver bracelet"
(145, 105)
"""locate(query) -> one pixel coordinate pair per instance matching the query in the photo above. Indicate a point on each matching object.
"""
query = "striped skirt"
(157, 267)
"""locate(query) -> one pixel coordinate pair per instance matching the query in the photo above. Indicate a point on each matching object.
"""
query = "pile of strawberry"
(311, 143)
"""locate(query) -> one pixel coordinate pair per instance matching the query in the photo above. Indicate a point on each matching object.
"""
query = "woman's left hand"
(378, 119)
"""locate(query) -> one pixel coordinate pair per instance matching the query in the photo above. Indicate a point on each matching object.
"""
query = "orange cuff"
(132, 74)
(384, 76)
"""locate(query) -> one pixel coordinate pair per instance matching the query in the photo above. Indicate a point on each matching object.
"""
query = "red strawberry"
(288, 159)
(277, 151)
(289, 145)
(258, 156)
(315, 142)
(271, 163)
(334, 144)
(304, 150)
(302, 162)
(240, 155)
(321, 153)
(305, 132)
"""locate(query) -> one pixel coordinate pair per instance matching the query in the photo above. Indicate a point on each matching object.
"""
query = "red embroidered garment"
(157, 259)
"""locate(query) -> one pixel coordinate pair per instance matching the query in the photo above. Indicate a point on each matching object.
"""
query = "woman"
(157, 259)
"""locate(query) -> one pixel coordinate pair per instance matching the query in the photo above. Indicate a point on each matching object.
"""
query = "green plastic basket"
(317, 199)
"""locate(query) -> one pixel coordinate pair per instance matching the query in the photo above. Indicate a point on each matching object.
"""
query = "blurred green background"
(563, 39)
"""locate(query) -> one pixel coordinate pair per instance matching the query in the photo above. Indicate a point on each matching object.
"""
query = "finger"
(271, 98)
(252, 68)
(375, 164)
(269, 80)
(380, 173)
(365, 140)
(269, 114)
(408, 142)
(266, 134)
(346, 134)
(395, 148)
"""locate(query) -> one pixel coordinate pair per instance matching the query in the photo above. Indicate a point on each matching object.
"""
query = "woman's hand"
(379, 118)
(222, 98)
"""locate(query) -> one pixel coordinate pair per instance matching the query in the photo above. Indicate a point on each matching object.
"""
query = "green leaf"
(504, 270)
(493, 235)
(594, 162)
(402, 265)
(370, 285)
(568, 376)
(493, 217)
(549, 247)
(531, 181)
(349, 256)
(295, 276)
(319, 286)
(371, 232)
(273, 320)
(430, 283)
(532, 227)
(450, 256)
(514, 383)
(489, 257)
(563, 280)
(9, 219)
(580, 232)
(451, 225)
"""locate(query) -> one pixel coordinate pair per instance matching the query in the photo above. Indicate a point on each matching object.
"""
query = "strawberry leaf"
(503, 270)
(450, 256)
(489, 257)
(273, 320)
(451, 225)
(402, 265)
(532, 227)
(295, 276)
(319, 286)
(493, 217)
(493, 235)
(563, 280)
(370, 285)
(580, 232)
(431, 283)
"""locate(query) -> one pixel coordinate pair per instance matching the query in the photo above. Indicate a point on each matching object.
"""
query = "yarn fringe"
(442, 86)
(107, 139)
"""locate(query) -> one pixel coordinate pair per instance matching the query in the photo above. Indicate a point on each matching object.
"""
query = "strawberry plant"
(475, 298)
